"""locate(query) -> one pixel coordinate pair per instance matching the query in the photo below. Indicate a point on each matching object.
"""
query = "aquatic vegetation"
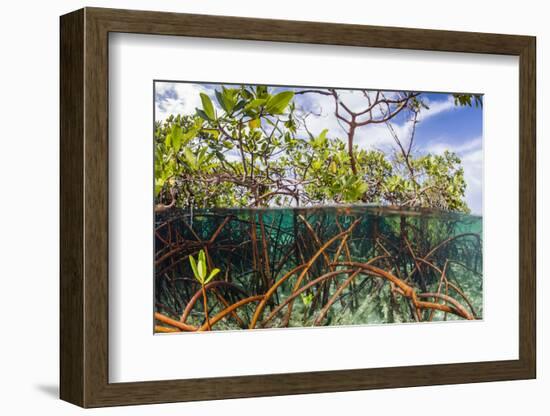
(344, 266)
(200, 273)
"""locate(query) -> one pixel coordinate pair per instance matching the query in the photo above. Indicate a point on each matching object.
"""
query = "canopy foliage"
(251, 147)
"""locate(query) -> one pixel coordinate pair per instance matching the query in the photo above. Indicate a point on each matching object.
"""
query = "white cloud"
(473, 174)
(439, 146)
(371, 136)
(471, 155)
(323, 108)
(178, 98)
(437, 107)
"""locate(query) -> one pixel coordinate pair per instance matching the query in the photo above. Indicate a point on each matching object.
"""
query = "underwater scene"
(292, 207)
(316, 267)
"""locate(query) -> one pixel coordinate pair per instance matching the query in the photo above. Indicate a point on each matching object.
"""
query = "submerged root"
(328, 274)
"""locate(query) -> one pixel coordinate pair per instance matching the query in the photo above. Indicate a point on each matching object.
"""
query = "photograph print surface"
(289, 206)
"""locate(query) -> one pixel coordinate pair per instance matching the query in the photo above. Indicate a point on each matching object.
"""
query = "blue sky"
(444, 126)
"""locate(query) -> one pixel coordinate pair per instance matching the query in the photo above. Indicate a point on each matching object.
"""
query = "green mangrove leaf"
(213, 132)
(306, 299)
(213, 273)
(240, 105)
(228, 144)
(225, 99)
(254, 123)
(252, 105)
(202, 265)
(194, 267)
(190, 158)
(176, 137)
(207, 106)
(323, 136)
(159, 183)
(362, 188)
(202, 114)
(278, 103)
(186, 137)
(261, 91)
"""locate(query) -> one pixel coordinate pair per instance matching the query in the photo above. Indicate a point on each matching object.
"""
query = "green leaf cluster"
(243, 148)
(199, 268)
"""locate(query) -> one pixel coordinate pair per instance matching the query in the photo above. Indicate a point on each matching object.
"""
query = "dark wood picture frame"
(84, 207)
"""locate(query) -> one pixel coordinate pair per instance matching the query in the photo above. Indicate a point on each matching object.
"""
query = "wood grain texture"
(527, 208)
(71, 213)
(84, 207)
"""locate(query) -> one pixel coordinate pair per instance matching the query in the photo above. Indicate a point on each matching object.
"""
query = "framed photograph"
(257, 207)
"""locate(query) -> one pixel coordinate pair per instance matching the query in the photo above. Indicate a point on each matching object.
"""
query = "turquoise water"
(436, 254)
